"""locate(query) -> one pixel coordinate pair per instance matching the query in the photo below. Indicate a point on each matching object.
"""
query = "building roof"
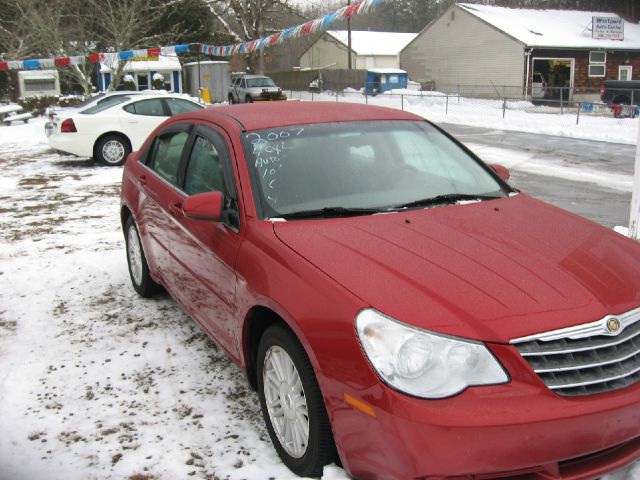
(374, 43)
(163, 63)
(553, 28)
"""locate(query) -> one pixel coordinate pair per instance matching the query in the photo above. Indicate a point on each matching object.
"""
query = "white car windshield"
(260, 82)
(372, 165)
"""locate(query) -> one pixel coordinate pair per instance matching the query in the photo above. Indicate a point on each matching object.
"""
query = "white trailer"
(38, 83)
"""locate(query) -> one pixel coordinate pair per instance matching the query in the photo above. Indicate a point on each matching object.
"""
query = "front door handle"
(142, 179)
(176, 209)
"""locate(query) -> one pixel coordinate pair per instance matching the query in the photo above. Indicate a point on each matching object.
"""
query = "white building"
(369, 50)
(497, 50)
(142, 72)
(38, 83)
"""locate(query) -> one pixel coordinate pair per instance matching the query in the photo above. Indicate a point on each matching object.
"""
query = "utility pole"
(349, 66)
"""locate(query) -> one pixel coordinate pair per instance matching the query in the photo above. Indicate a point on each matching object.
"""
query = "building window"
(625, 72)
(597, 57)
(597, 64)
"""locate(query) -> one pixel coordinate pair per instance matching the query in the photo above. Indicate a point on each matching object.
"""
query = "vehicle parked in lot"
(254, 88)
(538, 86)
(625, 92)
(392, 299)
(623, 96)
(109, 130)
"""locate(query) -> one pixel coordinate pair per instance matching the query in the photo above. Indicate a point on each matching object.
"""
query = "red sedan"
(396, 304)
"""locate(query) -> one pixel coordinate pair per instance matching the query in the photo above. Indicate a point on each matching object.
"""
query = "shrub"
(37, 105)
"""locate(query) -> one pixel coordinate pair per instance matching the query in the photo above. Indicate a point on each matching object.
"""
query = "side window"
(177, 106)
(166, 155)
(152, 107)
(204, 171)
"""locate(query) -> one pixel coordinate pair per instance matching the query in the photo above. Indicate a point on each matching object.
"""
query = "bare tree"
(247, 20)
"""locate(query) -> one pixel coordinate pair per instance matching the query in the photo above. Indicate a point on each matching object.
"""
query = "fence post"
(402, 101)
(632, 94)
(366, 98)
(504, 107)
(578, 117)
(458, 93)
(446, 108)
(312, 96)
(561, 101)
(336, 95)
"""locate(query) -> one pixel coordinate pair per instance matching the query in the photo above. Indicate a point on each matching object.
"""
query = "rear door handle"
(176, 209)
(142, 179)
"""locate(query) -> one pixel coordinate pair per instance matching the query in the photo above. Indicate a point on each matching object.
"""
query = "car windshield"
(371, 166)
(260, 82)
(105, 104)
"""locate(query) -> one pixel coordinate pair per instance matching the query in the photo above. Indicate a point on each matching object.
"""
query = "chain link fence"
(604, 121)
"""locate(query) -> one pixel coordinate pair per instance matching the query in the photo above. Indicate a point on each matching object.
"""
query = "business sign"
(608, 28)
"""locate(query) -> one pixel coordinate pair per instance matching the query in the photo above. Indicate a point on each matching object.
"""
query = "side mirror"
(203, 206)
(502, 171)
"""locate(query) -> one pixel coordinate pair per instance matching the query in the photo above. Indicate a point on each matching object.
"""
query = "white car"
(112, 129)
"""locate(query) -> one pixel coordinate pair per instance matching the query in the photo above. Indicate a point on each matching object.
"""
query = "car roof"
(258, 116)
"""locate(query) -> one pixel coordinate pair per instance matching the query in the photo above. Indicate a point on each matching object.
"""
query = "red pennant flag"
(94, 57)
(153, 52)
(351, 10)
(62, 61)
(4, 66)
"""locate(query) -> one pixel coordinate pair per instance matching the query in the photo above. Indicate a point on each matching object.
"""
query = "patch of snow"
(622, 230)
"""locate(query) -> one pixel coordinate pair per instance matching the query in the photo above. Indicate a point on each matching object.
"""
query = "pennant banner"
(308, 28)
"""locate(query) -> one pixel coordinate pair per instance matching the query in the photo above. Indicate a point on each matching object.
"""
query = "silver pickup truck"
(254, 88)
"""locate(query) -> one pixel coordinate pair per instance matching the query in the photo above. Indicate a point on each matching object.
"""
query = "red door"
(204, 253)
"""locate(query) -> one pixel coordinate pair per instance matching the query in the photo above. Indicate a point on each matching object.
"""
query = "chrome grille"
(586, 359)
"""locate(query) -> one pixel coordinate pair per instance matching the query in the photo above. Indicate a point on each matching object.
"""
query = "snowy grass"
(96, 382)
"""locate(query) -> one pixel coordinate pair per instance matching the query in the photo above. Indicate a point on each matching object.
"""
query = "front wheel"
(292, 404)
(248, 99)
(112, 150)
(137, 262)
(231, 100)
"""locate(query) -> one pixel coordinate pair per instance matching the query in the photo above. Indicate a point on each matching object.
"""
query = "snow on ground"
(96, 382)
(519, 116)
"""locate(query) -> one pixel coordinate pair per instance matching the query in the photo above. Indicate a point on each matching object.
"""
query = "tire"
(112, 150)
(231, 100)
(248, 99)
(137, 262)
(305, 457)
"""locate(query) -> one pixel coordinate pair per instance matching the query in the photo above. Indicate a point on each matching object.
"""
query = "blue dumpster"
(381, 80)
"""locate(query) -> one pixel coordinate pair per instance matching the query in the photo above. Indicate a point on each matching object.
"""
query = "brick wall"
(581, 80)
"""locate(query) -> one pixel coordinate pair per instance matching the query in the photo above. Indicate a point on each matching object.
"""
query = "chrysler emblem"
(613, 325)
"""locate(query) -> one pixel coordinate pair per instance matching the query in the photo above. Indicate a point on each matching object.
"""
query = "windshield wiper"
(332, 212)
(447, 198)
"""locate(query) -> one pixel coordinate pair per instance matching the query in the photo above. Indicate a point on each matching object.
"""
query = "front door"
(143, 81)
(205, 252)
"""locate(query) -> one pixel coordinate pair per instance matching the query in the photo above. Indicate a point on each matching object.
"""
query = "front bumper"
(519, 430)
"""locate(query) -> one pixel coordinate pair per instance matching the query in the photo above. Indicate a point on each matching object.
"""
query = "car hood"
(494, 270)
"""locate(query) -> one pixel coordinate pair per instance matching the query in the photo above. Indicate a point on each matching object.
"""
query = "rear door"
(138, 119)
(159, 181)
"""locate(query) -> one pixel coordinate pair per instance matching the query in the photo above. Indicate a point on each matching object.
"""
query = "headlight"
(421, 363)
